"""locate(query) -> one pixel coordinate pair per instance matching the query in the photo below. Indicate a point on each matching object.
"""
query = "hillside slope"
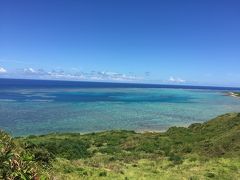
(202, 151)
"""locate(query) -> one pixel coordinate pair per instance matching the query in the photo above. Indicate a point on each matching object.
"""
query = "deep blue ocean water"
(39, 107)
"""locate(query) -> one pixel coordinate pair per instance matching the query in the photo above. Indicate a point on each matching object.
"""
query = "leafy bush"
(104, 173)
(175, 159)
(14, 163)
(66, 148)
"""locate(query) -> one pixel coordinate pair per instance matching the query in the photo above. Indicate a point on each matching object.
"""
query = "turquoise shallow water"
(40, 111)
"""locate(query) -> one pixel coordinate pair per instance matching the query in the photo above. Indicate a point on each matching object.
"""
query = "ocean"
(33, 107)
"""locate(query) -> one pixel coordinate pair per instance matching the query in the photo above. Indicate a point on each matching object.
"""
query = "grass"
(202, 151)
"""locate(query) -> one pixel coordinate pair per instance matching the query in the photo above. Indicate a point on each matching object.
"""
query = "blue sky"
(152, 41)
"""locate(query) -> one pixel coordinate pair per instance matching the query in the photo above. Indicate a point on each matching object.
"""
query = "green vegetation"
(15, 162)
(202, 151)
(237, 93)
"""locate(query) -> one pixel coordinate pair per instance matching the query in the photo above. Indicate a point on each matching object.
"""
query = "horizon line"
(129, 83)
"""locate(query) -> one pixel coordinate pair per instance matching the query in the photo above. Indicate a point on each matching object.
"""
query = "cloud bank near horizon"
(77, 75)
(72, 75)
(176, 80)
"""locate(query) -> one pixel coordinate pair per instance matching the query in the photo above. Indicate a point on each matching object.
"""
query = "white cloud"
(2, 70)
(64, 75)
(111, 76)
(77, 75)
(29, 71)
(33, 72)
(176, 80)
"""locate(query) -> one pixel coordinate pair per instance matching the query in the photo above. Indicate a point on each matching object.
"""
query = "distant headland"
(234, 94)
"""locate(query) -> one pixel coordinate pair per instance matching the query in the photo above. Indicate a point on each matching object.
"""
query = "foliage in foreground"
(202, 151)
(16, 163)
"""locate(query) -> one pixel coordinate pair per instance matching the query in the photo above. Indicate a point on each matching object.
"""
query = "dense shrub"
(176, 159)
(67, 148)
(14, 163)
(102, 174)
